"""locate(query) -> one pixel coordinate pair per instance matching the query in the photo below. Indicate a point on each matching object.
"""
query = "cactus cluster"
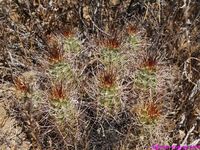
(100, 75)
